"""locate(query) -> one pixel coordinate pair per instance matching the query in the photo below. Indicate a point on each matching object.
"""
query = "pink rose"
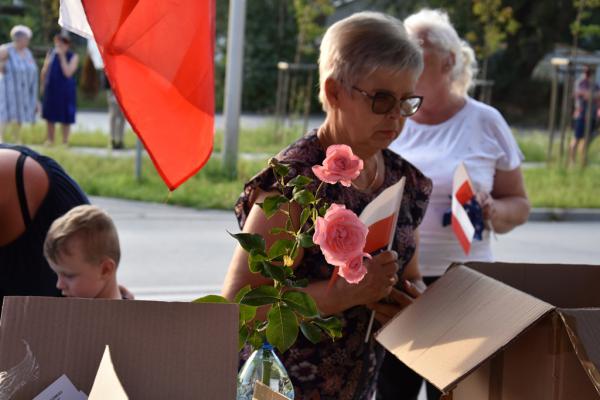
(340, 234)
(354, 270)
(340, 165)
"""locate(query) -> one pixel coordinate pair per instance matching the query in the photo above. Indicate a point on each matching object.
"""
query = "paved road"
(176, 253)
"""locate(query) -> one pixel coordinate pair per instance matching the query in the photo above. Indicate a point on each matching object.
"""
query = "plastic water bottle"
(264, 365)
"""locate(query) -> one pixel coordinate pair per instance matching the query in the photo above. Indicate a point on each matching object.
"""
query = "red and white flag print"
(462, 192)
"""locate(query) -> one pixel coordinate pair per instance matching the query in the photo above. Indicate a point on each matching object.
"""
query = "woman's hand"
(397, 301)
(378, 282)
(486, 201)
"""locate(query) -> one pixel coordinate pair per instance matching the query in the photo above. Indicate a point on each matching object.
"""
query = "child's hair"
(95, 228)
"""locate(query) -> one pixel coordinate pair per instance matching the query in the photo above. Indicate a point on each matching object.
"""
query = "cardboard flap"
(159, 350)
(583, 328)
(458, 323)
(547, 281)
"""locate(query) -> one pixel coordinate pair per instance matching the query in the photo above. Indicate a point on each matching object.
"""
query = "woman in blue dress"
(18, 82)
(58, 83)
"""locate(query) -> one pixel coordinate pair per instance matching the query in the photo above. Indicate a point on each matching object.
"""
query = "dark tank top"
(23, 268)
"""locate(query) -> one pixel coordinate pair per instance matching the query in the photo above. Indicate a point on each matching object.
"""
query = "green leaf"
(301, 303)
(256, 260)
(277, 231)
(279, 168)
(299, 181)
(256, 339)
(247, 313)
(304, 216)
(275, 272)
(271, 204)
(250, 241)
(299, 283)
(280, 247)
(282, 330)
(323, 210)
(306, 240)
(332, 326)
(211, 298)
(304, 197)
(260, 296)
(243, 336)
(311, 331)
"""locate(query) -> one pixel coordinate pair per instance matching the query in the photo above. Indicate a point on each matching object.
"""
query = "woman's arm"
(68, 67)
(44, 71)
(508, 205)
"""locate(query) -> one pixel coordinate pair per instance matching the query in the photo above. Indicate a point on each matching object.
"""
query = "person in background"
(35, 191)
(448, 129)
(59, 88)
(18, 82)
(116, 118)
(82, 248)
(584, 90)
(368, 68)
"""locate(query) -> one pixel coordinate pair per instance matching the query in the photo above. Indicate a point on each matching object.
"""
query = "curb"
(565, 214)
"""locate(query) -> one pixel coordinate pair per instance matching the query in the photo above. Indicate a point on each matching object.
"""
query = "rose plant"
(338, 232)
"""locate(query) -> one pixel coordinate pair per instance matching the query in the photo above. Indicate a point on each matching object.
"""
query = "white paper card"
(61, 389)
(106, 384)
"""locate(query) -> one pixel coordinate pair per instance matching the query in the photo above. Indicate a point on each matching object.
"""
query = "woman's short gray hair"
(20, 30)
(441, 34)
(360, 44)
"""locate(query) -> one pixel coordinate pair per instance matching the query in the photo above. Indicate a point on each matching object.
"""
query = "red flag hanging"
(158, 57)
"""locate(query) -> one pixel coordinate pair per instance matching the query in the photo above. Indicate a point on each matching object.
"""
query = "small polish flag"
(381, 216)
(462, 192)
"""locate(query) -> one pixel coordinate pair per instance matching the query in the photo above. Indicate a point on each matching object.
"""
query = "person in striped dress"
(18, 82)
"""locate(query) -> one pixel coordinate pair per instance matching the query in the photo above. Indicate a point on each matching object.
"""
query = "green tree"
(496, 22)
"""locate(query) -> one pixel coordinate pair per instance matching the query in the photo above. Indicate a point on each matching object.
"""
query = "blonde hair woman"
(451, 128)
(368, 70)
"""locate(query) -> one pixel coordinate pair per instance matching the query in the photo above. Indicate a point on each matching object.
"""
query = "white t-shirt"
(478, 136)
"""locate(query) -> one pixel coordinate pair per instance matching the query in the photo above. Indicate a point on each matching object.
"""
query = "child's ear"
(108, 268)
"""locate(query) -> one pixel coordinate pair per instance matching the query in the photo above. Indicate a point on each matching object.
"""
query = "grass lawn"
(114, 177)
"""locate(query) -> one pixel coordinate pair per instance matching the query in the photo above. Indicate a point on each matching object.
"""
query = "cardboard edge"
(589, 367)
(451, 386)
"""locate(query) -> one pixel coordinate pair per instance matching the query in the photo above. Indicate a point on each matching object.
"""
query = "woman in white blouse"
(451, 128)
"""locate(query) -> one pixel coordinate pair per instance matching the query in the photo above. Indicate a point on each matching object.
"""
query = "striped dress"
(18, 87)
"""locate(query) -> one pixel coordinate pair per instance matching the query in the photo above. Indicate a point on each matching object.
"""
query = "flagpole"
(233, 84)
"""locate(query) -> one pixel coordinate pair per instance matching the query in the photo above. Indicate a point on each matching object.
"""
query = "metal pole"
(233, 84)
(588, 117)
(564, 117)
(138, 160)
(552, 121)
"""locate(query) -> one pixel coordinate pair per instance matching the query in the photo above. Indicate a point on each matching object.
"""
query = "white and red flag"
(158, 56)
(462, 193)
(381, 216)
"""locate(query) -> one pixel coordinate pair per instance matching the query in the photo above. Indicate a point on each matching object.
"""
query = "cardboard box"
(159, 350)
(502, 331)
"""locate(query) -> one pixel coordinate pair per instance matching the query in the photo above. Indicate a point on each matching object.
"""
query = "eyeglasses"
(383, 102)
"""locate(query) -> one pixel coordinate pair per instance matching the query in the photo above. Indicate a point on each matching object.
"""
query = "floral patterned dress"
(348, 367)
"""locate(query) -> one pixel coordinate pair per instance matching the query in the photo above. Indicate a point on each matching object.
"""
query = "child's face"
(77, 277)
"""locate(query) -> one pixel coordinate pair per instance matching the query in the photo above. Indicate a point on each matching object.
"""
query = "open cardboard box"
(502, 331)
(159, 350)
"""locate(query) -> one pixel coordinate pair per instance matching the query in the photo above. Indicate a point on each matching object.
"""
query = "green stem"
(266, 372)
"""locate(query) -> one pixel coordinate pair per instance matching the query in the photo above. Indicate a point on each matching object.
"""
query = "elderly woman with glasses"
(368, 70)
(451, 128)
(18, 82)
